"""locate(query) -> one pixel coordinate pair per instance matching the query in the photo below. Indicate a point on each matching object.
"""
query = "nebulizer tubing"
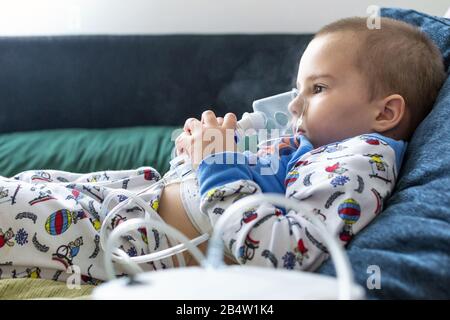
(135, 223)
(119, 255)
(342, 265)
(214, 258)
(103, 230)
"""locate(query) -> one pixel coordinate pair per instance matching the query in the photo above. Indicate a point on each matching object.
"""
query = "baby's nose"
(292, 109)
(296, 106)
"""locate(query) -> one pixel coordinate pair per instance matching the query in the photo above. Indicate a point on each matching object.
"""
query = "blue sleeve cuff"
(222, 168)
(399, 147)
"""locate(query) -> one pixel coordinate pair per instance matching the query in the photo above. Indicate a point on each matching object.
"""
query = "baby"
(360, 94)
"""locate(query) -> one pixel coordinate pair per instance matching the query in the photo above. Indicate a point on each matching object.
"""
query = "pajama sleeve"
(343, 184)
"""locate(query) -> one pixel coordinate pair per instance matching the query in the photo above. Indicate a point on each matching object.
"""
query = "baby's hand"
(210, 135)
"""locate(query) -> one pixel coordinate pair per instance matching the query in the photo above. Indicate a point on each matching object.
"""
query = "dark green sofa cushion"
(86, 150)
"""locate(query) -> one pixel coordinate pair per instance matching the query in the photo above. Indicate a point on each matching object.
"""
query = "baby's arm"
(345, 188)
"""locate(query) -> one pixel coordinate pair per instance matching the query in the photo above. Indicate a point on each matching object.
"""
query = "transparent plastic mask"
(278, 143)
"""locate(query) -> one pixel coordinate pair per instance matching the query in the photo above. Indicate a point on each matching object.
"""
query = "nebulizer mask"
(269, 114)
(269, 121)
(213, 279)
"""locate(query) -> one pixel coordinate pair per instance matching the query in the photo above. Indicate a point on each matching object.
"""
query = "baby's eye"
(317, 88)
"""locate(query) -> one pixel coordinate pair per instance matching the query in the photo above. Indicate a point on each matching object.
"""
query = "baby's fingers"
(182, 143)
(230, 120)
(220, 120)
(209, 118)
(190, 124)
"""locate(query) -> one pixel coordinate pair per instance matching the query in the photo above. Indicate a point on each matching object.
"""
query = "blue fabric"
(225, 167)
(112, 81)
(399, 147)
(222, 168)
(410, 240)
(436, 28)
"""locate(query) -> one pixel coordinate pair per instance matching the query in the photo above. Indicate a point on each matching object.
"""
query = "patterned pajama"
(344, 184)
(49, 221)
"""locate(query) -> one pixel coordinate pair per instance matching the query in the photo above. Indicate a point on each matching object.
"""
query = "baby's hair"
(399, 59)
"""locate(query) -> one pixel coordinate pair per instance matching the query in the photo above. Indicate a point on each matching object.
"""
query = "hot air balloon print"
(350, 211)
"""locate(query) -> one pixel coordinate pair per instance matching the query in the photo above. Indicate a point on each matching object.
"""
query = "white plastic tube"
(216, 247)
(134, 224)
(109, 215)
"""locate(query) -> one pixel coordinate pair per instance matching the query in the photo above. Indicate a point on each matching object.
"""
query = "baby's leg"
(125, 179)
(50, 221)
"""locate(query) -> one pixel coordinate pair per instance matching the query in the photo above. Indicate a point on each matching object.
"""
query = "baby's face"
(334, 90)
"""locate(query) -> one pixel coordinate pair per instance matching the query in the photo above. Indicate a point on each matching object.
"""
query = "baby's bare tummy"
(172, 211)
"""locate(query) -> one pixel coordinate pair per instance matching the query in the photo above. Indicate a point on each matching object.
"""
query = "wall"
(44, 17)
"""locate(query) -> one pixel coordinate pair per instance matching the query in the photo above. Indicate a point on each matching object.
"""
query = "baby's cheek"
(327, 128)
(319, 120)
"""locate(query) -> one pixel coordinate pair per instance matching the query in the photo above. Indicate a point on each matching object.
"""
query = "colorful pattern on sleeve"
(344, 184)
(268, 168)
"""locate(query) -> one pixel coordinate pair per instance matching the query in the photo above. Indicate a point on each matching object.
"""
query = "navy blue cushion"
(436, 28)
(410, 240)
(103, 81)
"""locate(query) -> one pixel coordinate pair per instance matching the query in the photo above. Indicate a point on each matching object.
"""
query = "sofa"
(89, 103)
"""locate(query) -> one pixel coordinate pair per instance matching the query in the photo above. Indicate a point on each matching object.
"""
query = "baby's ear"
(391, 111)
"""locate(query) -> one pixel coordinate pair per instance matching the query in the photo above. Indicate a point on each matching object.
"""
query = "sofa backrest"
(120, 81)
